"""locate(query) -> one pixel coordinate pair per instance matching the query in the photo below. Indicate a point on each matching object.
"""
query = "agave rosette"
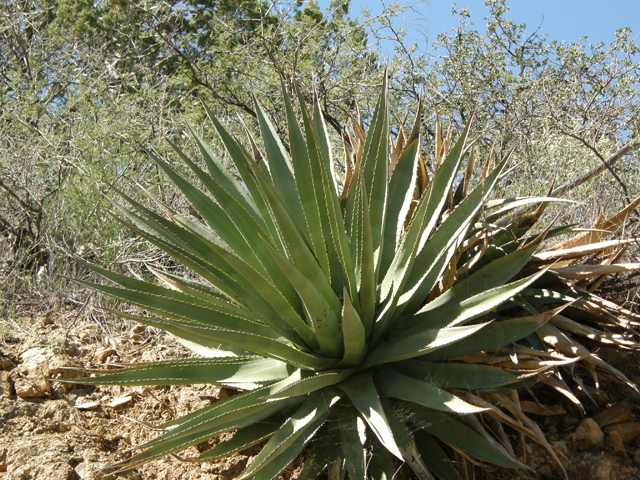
(347, 307)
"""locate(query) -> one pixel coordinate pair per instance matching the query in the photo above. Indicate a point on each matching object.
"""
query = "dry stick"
(599, 169)
(561, 190)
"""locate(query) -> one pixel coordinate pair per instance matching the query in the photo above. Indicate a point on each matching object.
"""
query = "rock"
(56, 471)
(121, 402)
(34, 360)
(588, 435)
(41, 361)
(627, 431)
(89, 470)
(617, 414)
(636, 457)
(616, 442)
(87, 405)
(560, 446)
(3, 459)
(32, 387)
(62, 366)
(103, 354)
(5, 362)
(5, 385)
(601, 470)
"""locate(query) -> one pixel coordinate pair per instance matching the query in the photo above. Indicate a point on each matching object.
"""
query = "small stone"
(5, 385)
(588, 435)
(139, 329)
(56, 471)
(5, 363)
(560, 446)
(616, 442)
(60, 366)
(88, 470)
(628, 431)
(87, 406)
(32, 387)
(617, 414)
(121, 402)
(601, 470)
(104, 353)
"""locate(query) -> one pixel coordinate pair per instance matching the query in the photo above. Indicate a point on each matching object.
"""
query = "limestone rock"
(4, 362)
(103, 354)
(41, 361)
(588, 435)
(3, 459)
(560, 446)
(89, 470)
(601, 470)
(32, 387)
(617, 414)
(628, 431)
(121, 402)
(616, 442)
(5, 385)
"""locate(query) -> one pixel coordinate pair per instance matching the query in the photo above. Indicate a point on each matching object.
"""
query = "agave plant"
(349, 304)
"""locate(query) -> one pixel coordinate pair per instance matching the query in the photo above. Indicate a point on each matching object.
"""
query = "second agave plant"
(346, 304)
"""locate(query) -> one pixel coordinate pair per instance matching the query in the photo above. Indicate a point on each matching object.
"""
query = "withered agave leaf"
(352, 310)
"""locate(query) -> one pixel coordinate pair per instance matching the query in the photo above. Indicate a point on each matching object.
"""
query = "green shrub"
(359, 306)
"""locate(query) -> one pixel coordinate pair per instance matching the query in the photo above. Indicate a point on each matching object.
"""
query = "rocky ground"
(52, 430)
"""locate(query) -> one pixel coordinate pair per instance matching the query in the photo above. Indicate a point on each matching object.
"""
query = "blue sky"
(567, 20)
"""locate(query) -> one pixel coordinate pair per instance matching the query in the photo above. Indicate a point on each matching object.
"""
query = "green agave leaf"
(245, 438)
(514, 203)
(375, 174)
(335, 238)
(353, 439)
(324, 143)
(393, 384)
(401, 188)
(366, 266)
(193, 288)
(423, 221)
(364, 396)
(188, 248)
(381, 465)
(419, 344)
(231, 414)
(211, 350)
(354, 332)
(298, 251)
(325, 322)
(457, 313)
(492, 275)
(140, 287)
(222, 176)
(468, 376)
(218, 371)
(412, 247)
(496, 334)
(249, 341)
(435, 457)
(215, 216)
(461, 437)
(202, 316)
(312, 383)
(244, 167)
(306, 189)
(287, 443)
(422, 280)
(280, 165)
